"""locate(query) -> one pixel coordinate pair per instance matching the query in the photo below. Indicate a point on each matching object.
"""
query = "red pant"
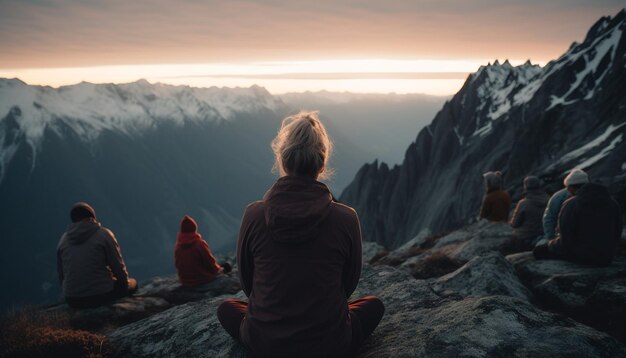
(365, 314)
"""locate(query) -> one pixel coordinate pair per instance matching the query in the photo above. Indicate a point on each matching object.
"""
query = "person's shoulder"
(254, 211)
(344, 211)
(254, 207)
(104, 233)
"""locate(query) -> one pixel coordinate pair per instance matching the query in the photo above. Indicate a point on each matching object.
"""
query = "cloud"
(38, 33)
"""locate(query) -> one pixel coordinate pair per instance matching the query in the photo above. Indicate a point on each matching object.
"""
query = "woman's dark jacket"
(590, 226)
(299, 259)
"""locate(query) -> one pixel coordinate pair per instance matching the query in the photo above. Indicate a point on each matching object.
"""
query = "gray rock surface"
(418, 322)
(486, 275)
(153, 296)
(593, 295)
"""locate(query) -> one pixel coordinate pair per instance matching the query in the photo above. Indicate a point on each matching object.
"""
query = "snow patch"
(591, 161)
(593, 55)
(594, 143)
(484, 130)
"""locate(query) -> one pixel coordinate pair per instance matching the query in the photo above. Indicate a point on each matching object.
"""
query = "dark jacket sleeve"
(567, 228)
(352, 271)
(518, 215)
(114, 258)
(245, 261)
(207, 257)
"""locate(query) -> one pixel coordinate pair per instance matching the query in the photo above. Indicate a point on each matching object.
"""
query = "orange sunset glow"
(357, 46)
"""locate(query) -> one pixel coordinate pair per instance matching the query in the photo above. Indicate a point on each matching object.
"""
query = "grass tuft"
(32, 332)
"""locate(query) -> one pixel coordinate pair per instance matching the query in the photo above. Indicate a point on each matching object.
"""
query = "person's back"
(301, 246)
(497, 202)
(575, 179)
(299, 259)
(527, 218)
(89, 262)
(590, 226)
(195, 264)
(551, 214)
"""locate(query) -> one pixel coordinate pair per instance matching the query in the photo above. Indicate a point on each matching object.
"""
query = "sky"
(419, 46)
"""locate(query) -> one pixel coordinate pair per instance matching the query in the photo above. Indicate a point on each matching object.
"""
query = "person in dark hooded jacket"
(89, 262)
(194, 261)
(527, 219)
(497, 202)
(590, 226)
(299, 259)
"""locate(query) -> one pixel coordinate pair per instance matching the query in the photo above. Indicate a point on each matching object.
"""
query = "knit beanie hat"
(188, 224)
(532, 182)
(80, 211)
(576, 177)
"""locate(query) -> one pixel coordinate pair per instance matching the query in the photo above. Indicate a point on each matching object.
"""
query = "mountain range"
(146, 154)
(520, 120)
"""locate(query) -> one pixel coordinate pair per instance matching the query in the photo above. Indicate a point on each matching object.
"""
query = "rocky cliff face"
(519, 120)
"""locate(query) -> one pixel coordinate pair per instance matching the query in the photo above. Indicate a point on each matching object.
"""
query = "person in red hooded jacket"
(194, 261)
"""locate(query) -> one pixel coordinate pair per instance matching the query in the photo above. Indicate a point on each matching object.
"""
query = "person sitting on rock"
(573, 181)
(497, 202)
(89, 262)
(590, 226)
(527, 217)
(299, 259)
(194, 261)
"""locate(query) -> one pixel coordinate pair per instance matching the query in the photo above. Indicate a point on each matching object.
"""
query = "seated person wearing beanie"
(89, 262)
(590, 226)
(527, 217)
(497, 202)
(573, 181)
(194, 261)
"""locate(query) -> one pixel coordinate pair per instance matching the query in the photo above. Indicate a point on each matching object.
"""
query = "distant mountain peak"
(518, 119)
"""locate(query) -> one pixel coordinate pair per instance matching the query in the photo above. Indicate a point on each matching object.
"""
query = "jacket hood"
(593, 192)
(186, 239)
(537, 197)
(78, 232)
(295, 207)
(493, 181)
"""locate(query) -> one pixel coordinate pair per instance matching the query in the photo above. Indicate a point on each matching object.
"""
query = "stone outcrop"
(593, 295)
(418, 322)
(153, 296)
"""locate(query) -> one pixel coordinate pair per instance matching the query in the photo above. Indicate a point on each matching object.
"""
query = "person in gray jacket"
(527, 217)
(573, 181)
(89, 262)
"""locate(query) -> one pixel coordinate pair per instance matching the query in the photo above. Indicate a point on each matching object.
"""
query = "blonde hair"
(302, 147)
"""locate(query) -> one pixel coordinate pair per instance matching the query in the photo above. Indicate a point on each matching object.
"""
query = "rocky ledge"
(480, 307)
(153, 296)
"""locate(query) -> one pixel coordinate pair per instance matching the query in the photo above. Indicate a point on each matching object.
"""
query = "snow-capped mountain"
(143, 154)
(519, 120)
(88, 109)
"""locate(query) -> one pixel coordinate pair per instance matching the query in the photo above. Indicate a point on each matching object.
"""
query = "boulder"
(485, 275)
(474, 240)
(170, 289)
(593, 295)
